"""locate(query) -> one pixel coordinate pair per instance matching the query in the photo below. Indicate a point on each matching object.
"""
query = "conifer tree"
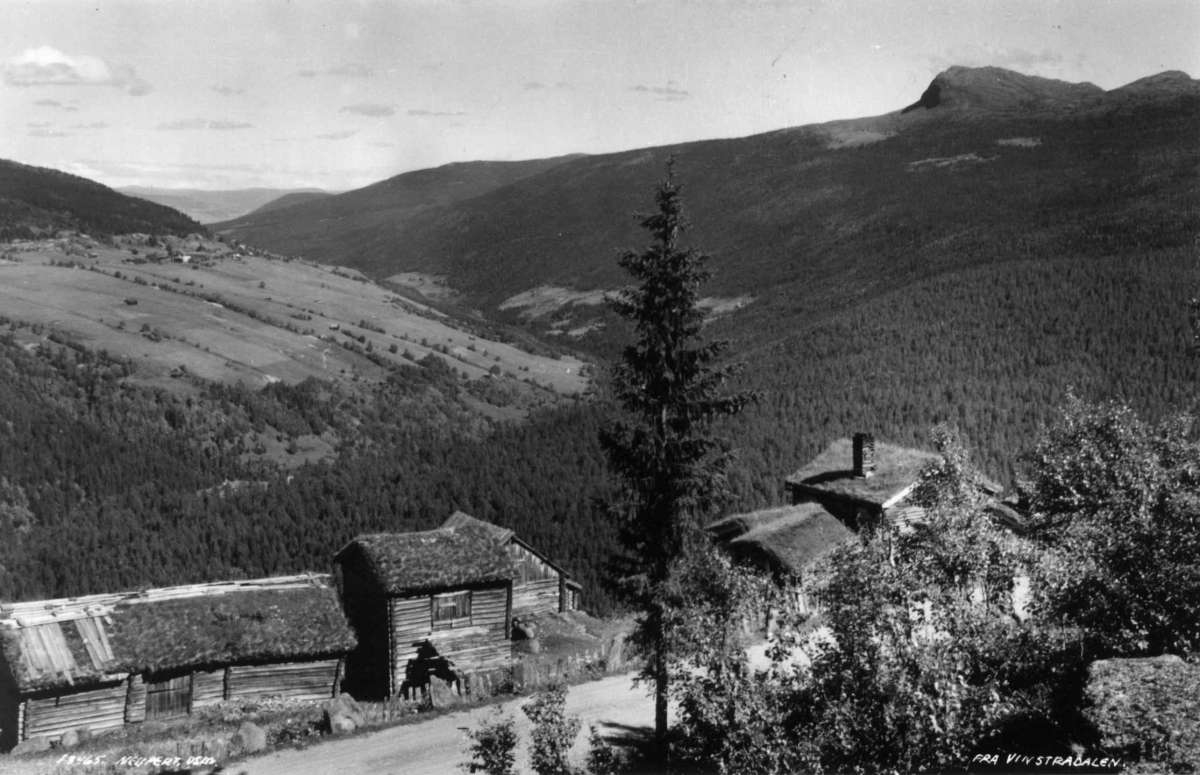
(670, 386)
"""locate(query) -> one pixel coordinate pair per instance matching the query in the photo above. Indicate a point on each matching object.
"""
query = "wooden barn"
(541, 586)
(452, 589)
(102, 661)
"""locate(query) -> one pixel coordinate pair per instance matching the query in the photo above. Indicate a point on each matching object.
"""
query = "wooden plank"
(97, 709)
(44, 651)
(208, 688)
(95, 641)
(135, 700)
(303, 680)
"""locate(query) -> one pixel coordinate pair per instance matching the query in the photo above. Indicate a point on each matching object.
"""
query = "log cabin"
(103, 661)
(449, 588)
(541, 586)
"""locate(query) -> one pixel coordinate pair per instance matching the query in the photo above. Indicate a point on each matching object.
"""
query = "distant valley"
(330, 364)
(210, 206)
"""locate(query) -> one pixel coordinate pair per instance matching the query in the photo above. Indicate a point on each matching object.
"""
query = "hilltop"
(992, 165)
(37, 201)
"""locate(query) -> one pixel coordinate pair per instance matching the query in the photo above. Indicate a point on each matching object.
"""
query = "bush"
(553, 732)
(493, 747)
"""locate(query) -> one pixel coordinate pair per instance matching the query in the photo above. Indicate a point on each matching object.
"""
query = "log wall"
(480, 645)
(208, 688)
(294, 680)
(135, 700)
(537, 597)
(94, 709)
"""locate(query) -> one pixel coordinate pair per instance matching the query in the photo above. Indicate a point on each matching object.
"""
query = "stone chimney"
(864, 454)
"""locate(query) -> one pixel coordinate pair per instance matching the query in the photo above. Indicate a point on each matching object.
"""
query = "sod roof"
(787, 539)
(402, 563)
(465, 522)
(79, 641)
(831, 472)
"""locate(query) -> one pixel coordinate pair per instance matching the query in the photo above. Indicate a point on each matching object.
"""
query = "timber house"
(540, 586)
(449, 588)
(862, 482)
(102, 661)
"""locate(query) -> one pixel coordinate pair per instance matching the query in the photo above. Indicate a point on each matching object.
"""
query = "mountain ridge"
(39, 201)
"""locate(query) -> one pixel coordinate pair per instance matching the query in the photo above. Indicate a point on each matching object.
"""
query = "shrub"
(553, 732)
(493, 747)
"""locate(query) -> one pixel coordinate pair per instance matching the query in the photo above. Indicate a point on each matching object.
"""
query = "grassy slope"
(230, 317)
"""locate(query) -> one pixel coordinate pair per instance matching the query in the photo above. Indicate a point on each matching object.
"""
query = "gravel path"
(438, 746)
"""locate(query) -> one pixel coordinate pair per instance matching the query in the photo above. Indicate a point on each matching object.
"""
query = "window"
(169, 697)
(452, 610)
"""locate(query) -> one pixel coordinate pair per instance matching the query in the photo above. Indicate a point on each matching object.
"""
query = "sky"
(337, 94)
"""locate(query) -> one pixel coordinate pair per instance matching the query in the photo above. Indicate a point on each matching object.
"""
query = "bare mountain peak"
(997, 89)
(1168, 83)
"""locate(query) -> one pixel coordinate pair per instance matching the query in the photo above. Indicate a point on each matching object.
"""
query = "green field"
(229, 316)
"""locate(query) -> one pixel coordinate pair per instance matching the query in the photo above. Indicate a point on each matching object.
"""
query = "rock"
(524, 629)
(343, 714)
(444, 694)
(36, 744)
(70, 739)
(1147, 708)
(251, 737)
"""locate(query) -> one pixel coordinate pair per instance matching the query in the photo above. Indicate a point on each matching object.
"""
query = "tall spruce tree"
(670, 386)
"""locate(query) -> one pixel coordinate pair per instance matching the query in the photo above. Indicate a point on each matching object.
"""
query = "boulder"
(1146, 708)
(251, 738)
(445, 694)
(343, 714)
(70, 739)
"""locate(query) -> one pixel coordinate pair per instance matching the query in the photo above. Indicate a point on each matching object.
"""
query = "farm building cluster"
(397, 609)
(394, 602)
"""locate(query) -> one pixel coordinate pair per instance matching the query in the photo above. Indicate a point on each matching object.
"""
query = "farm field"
(223, 315)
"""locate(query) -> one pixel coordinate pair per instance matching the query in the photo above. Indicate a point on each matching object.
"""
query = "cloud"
(43, 132)
(227, 91)
(383, 144)
(435, 113)
(203, 123)
(56, 104)
(350, 71)
(47, 66)
(93, 125)
(347, 70)
(337, 135)
(538, 86)
(669, 93)
(369, 109)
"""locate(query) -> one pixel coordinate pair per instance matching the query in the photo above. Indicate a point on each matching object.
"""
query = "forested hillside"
(36, 201)
(894, 273)
(107, 486)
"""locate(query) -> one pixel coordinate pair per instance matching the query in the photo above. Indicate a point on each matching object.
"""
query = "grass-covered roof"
(832, 472)
(787, 539)
(462, 521)
(401, 563)
(56, 643)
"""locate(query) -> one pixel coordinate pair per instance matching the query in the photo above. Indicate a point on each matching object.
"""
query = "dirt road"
(437, 746)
